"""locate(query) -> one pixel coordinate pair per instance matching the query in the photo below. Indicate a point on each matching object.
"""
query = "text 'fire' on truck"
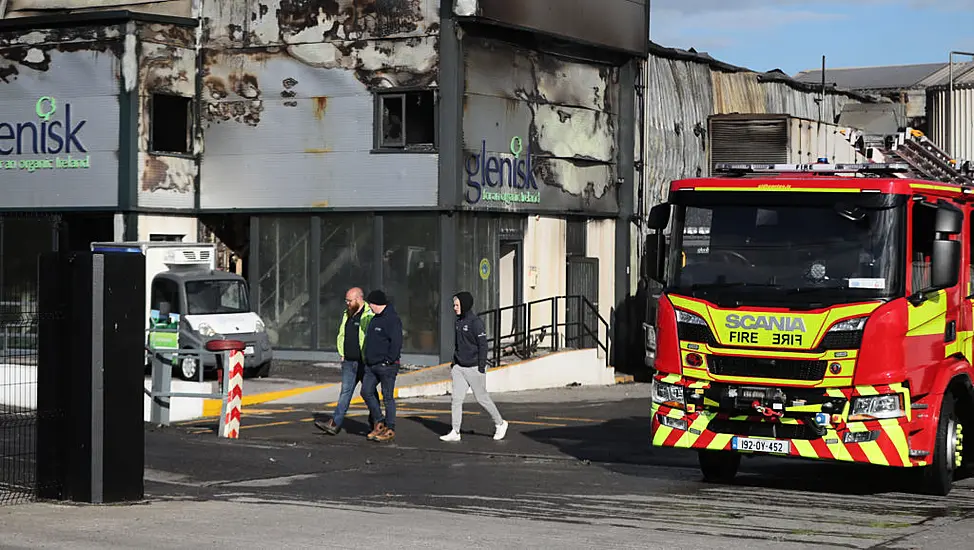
(814, 311)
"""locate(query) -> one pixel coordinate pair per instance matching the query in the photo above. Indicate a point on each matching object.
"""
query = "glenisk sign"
(51, 141)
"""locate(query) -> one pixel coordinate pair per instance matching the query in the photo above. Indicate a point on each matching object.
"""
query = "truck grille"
(762, 429)
(696, 333)
(842, 340)
(782, 369)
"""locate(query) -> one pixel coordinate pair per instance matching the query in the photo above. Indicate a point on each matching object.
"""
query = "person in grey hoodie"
(469, 368)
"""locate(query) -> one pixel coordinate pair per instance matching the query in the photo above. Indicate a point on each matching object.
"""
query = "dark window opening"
(164, 290)
(407, 120)
(171, 124)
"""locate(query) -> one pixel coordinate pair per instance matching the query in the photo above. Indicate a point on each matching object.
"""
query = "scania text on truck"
(817, 311)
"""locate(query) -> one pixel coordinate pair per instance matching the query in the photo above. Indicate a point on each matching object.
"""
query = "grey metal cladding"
(83, 81)
(269, 149)
(562, 112)
(616, 24)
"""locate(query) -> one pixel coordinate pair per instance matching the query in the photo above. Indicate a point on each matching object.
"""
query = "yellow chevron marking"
(804, 448)
(874, 453)
(720, 442)
(896, 434)
(930, 317)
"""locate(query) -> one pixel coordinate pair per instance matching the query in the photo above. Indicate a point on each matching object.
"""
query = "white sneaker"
(501, 431)
(452, 436)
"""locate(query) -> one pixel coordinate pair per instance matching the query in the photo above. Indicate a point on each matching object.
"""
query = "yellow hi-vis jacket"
(363, 327)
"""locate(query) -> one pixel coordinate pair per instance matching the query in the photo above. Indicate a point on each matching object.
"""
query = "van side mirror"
(659, 217)
(165, 309)
(654, 257)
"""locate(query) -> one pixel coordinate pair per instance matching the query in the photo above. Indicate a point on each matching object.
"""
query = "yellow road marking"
(211, 407)
(269, 424)
(536, 423)
(568, 419)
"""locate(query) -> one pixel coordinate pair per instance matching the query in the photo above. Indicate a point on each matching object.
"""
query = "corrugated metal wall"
(954, 132)
(682, 93)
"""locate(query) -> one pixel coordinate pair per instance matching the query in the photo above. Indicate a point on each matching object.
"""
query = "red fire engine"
(816, 311)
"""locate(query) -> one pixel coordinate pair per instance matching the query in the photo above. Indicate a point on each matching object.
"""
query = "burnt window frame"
(379, 95)
(190, 126)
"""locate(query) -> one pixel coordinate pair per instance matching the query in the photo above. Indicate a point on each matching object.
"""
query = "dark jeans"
(352, 374)
(385, 375)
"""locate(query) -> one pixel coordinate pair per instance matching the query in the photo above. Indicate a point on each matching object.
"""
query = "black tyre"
(948, 452)
(719, 466)
(264, 370)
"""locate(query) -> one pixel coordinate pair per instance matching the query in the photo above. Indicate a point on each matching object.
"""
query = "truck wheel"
(948, 451)
(719, 466)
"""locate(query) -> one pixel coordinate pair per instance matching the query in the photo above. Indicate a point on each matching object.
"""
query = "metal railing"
(163, 359)
(546, 325)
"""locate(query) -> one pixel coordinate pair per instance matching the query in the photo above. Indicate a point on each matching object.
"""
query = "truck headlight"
(259, 326)
(670, 395)
(849, 325)
(205, 330)
(877, 407)
(689, 318)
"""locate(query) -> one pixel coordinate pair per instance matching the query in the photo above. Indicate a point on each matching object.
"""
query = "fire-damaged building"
(417, 146)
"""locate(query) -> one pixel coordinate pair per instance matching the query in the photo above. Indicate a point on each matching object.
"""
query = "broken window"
(171, 124)
(407, 120)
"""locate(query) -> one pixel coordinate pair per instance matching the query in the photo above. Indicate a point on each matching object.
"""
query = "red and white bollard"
(233, 368)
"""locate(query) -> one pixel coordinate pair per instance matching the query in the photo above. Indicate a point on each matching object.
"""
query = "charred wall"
(167, 68)
(288, 90)
(564, 113)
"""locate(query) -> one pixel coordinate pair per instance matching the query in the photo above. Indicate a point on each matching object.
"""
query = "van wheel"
(948, 451)
(264, 370)
(189, 368)
(719, 466)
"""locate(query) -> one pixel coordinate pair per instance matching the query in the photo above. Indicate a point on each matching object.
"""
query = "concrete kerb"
(436, 381)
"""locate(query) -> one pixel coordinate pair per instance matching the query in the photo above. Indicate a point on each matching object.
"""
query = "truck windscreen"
(216, 297)
(787, 254)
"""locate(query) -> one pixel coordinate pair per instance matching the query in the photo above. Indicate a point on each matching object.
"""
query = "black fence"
(552, 324)
(18, 391)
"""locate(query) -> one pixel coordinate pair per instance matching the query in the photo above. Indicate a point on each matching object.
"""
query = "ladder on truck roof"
(925, 159)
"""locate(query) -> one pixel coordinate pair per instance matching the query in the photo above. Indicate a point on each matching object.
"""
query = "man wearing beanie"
(470, 367)
(383, 349)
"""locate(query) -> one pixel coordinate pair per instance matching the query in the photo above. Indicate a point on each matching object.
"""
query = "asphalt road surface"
(575, 471)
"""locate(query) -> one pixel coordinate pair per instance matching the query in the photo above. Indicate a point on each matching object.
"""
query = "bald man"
(351, 336)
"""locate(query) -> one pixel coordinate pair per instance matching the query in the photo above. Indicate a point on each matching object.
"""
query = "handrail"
(525, 339)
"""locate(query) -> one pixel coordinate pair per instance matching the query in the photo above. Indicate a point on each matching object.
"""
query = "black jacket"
(383, 341)
(470, 342)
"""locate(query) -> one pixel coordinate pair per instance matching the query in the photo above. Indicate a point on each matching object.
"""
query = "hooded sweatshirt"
(383, 341)
(470, 340)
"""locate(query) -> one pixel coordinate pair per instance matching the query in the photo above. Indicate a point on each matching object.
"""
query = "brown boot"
(379, 428)
(386, 435)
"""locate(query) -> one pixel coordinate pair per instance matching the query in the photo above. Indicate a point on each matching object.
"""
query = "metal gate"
(18, 392)
(582, 327)
(22, 239)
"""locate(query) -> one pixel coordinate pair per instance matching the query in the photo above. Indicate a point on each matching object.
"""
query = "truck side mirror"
(654, 257)
(659, 217)
(950, 219)
(946, 264)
